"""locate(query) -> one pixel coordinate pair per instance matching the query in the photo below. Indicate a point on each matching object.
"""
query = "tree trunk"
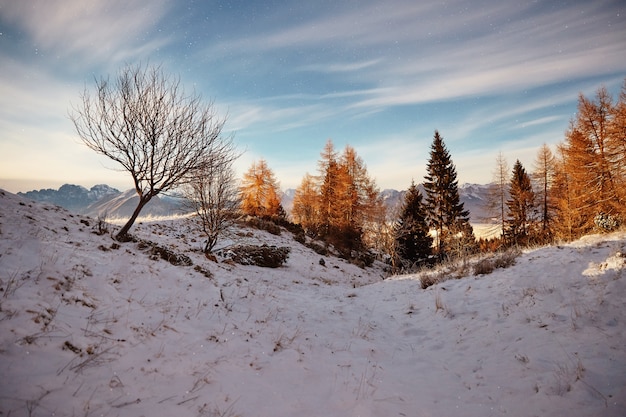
(122, 235)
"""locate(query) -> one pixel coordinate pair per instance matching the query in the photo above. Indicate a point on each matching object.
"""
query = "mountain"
(473, 196)
(116, 204)
(104, 200)
(122, 206)
(70, 196)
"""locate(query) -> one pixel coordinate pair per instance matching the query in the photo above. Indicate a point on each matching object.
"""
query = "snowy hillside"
(92, 327)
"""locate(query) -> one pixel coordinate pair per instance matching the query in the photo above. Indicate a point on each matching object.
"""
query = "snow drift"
(93, 327)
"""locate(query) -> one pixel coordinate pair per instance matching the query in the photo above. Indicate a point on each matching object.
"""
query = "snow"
(89, 328)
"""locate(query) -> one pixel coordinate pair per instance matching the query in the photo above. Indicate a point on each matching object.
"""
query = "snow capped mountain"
(102, 199)
(473, 196)
(72, 197)
(122, 206)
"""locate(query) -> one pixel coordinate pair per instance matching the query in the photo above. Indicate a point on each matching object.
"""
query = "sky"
(381, 76)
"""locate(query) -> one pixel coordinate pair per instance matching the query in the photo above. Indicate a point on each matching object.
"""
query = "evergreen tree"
(445, 212)
(520, 206)
(413, 242)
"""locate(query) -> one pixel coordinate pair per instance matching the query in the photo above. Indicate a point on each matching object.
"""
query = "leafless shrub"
(101, 227)
(484, 267)
(11, 285)
(160, 252)
(261, 223)
(284, 341)
(504, 259)
(213, 195)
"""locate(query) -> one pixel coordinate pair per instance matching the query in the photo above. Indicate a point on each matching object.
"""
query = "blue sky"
(492, 76)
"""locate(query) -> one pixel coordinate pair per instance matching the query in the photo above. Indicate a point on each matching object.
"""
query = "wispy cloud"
(94, 30)
(418, 52)
(340, 67)
(489, 75)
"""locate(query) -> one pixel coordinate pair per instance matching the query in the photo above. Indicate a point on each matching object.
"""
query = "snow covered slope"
(91, 327)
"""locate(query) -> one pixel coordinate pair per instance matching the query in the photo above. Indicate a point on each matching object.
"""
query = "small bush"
(169, 256)
(484, 267)
(428, 280)
(101, 227)
(317, 248)
(605, 222)
(203, 271)
(263, 256)
(160, 252)
(499, 260)
(263, 224)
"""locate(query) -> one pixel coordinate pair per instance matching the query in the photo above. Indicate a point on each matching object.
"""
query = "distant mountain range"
(72, 197)
(102, 199)
(473, 196)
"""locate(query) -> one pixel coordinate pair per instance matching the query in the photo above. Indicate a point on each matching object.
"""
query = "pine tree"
(445, 212)
(520, 206)
(413, 242)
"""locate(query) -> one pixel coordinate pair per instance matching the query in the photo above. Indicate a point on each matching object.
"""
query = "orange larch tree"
(260, 192)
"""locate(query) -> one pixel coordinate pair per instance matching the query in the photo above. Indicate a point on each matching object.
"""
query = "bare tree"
(144, 121)
(498, 191)
(214, 196)
(543, 176)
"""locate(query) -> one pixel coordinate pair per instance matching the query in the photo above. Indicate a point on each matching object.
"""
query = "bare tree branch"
(144, 121)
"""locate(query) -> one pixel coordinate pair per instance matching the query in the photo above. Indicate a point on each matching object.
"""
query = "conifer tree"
(544, 177)
(445, 212)
(413, 242)
(618, 142)
(347, 201)
(520, 206)
(569, 220)
(593, 163)
(360, 199)
(260, 191)
(329, 187)
(305, 209)
(498, 191)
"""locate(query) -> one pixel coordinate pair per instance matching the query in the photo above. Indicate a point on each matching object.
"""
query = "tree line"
(168, 139)
(575, 190)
